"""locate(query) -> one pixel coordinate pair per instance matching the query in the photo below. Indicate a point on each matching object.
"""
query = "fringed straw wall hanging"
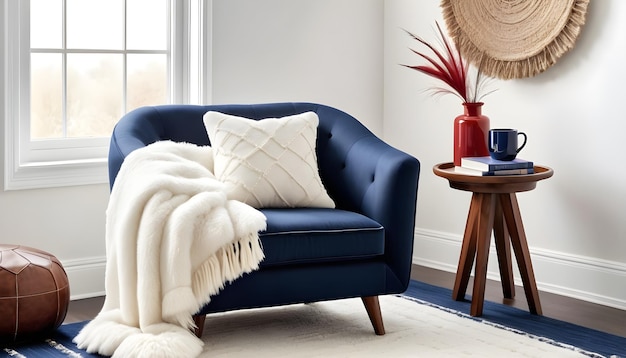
(514, 38)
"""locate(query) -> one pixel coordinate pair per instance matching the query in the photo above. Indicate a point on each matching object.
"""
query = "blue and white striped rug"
(537, 327)
(424, 322)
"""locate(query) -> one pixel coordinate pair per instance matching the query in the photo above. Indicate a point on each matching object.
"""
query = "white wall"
(67, 222)
(324, 51)
(573, 114)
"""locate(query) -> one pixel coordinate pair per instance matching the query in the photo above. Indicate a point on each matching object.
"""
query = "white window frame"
(81, 161)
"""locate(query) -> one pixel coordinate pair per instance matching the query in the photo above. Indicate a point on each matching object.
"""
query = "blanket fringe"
(228, 264)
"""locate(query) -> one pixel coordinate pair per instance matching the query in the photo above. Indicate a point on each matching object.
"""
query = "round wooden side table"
(494, 208)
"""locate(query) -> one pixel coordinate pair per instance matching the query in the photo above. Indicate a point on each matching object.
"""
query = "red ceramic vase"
(471, 131)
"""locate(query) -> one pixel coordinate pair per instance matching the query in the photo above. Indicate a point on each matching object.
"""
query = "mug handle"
(523, 144)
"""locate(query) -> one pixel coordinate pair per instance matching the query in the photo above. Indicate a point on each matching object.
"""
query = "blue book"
(488, 164)
(467, 171)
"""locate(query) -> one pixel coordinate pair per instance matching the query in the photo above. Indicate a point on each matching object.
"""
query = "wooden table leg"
(513, 218)
(468, 250)
(483, 232)
(503, 248)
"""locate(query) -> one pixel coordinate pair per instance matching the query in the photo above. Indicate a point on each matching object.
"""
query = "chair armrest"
(381, 182)
(392, 202)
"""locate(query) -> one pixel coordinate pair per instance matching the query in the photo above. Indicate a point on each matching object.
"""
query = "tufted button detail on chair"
(34, 292)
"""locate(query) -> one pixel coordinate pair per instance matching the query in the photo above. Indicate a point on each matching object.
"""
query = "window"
(74, 67)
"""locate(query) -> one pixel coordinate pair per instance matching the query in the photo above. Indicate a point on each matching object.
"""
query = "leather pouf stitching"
(34, 292)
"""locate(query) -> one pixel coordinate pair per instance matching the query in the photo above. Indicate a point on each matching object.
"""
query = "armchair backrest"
(338, 133)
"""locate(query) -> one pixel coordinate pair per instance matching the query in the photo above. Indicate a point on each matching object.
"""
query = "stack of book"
(487, 166)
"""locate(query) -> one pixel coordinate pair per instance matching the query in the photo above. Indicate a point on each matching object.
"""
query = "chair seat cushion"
(307, 235)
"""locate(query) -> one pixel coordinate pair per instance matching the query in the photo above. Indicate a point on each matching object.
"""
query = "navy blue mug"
(503, 144)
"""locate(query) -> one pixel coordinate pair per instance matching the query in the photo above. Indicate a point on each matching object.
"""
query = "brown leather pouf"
(34, 292)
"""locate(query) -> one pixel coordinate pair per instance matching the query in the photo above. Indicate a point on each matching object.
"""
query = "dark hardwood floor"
(602, 318)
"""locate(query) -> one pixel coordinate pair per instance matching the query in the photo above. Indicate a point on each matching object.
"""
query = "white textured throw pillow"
(270, 162)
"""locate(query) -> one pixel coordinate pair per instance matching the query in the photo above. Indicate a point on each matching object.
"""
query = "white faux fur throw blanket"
(173, 239)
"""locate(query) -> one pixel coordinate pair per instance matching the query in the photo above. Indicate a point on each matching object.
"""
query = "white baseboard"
(86, 277)
(581, 277)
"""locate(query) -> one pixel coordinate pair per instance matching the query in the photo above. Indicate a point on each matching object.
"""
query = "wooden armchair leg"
(199, 321)
(372, 307)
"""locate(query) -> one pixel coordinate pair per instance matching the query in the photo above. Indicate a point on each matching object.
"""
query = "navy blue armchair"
(362, 248)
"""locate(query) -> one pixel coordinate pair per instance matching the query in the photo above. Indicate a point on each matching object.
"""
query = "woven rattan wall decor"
(514, 38)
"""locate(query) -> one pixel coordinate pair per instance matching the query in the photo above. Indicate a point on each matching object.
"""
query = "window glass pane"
(46, 102)
(94, 94)
(147, 80)
(147, 24)
(46, 24)
(95, 24)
